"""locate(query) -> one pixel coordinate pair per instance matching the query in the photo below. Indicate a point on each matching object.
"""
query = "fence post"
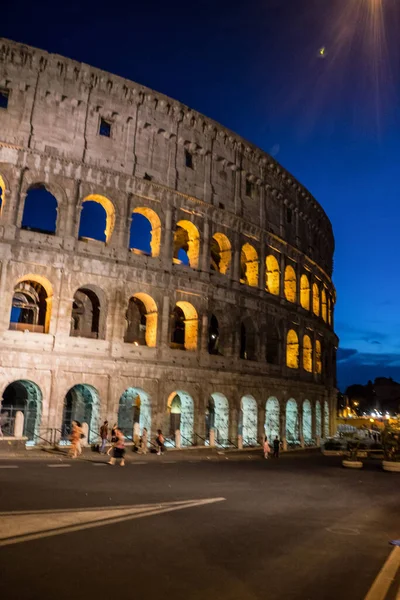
(212, 437)
(240, 442)
(19, 424)
(178, 443)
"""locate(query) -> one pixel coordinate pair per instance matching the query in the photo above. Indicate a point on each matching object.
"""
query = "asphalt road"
(300, 527)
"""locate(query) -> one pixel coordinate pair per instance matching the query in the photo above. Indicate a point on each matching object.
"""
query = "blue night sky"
(332, 121)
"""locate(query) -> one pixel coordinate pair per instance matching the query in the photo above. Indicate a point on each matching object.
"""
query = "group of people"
(276, 446)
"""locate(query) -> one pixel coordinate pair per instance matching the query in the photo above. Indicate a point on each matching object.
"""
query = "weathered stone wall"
(49, 134)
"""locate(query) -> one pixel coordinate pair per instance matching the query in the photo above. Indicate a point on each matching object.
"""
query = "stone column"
(262, 267)
(300, 422)
(282, 422)
(10, 202)
(164, 325)
(205, 247)
(168, 237)
(261, 424)
(282, 275)
(204, 334)
(4, 316)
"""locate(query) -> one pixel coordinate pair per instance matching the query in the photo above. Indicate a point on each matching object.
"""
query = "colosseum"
(156, 269)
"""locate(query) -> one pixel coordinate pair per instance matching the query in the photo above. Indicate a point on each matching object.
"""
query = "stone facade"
(86, 135)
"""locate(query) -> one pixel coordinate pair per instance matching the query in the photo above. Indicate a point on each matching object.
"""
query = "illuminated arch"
(217, 418)
(315, 299)
(187, 240)
(109, 210)
(141, 321)
(221, 253)
(330, 306)
(155, 233)
(88, 316)
(184, 326)
(134, 407)
(305, 292)
(318, 357)
(290, 284)
(326, 419)
(318, 420)
(272, 416)
(82, 404)
(249, 420)
(292, 422)
(2, 194)
(292, 349)
(40, 291)
(307, 354)
(272, 275)
(324, 307)
(181, 416)
(307, 421)
(25, 396)
(249, 265)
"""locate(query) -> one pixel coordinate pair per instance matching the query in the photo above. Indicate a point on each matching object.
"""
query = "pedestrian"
(118, 448)
(75, 437)
(113, 438)
(143, 441)
(103, 435)
(160, 441)
(267, 449)
(277, 446)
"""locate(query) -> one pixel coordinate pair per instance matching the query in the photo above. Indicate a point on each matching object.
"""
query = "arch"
(249, 265)
(220, 253)
(2, 194)
(31, 304)
(307, 422)
(82, 404)
(25, 396)
(324, 307)
(186, 248)
(184, 326)
(91, 216)
(272, 419)
(273, 345)
(249, 420)
(273, 274)
(40, 210)
(141, 321)
(305, 292)
(326, 419)
(316, 299)
(145, 231)
(318, 357)
(290, 284)
(248, 340)
(134, 407)
(307, 354)
(318, 419)
(292, 422)
(213, 336)
(292, 349)
(181, 412)
(88, 313)
(217, 418)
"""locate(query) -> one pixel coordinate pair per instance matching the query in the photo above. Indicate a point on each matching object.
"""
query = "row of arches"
(296, 423)
(97, 222)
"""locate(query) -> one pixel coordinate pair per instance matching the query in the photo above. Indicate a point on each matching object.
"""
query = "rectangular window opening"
(249, 188)
(188, 159)
(221, 205)
(105, 128)
(289, 215)
(4, 98)
(147, 177)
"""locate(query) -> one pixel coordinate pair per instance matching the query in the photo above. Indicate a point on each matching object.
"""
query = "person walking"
(75, 437)
(104, 436)
(113, 438)
(118, 449)
(277, 446)
(144, 441)
(160, 441)
(267, 449)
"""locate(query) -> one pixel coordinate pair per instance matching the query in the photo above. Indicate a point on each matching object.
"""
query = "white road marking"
(57, 466)
(385, 577)
(23, 526)
(99, 464)
(9, 467)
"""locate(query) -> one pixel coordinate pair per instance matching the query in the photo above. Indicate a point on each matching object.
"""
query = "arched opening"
(82, 404)
(24, 396)
(249, 420)
(186, 244)
(247, 340)
(273, 345)
(330, 311)
(307, 422)
(272, 275)
(97, 218)
(40, 210)
(221, 253)
(181, 416)
(249, 265)
(315, 293)
(141, 321)
(217, 418)
(324, 308)
(326, 419)
(184, 327)
(305, 292)
(272, 419)
(292, 349)
(134, 407)
(292, 423)
(318, 419)
(213, 336)
(307, 354)
(31, 305)
(2, 194)
(290, 284)
(85, 317)
(145, 232)
(318, 357)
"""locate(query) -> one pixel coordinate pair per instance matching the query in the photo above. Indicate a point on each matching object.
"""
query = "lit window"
(105, 128)
(188, 160)
(4, 98)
